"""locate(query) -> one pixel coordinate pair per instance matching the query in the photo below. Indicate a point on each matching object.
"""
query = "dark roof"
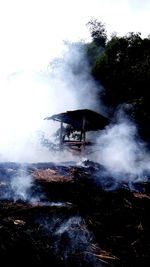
(93, 120)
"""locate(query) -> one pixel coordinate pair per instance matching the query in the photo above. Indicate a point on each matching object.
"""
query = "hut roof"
(93, 121)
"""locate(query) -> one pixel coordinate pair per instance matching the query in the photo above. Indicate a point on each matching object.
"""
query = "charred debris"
(73, 216)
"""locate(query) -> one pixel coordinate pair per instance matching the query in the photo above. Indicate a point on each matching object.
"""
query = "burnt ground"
(72, 216)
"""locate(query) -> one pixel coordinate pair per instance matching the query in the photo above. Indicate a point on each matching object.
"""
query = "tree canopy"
(98, 32)
(122, 66)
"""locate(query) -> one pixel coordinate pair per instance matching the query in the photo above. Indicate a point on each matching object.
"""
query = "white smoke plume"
(122, 152)
(18, 186)
(26, 98)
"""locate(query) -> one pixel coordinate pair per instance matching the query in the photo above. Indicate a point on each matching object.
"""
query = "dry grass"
(50, 175)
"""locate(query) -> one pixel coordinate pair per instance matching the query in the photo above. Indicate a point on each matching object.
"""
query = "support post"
(61, 134)
(83, 130)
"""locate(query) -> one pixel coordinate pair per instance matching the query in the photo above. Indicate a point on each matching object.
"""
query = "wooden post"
(81, 136)
(61, 134)
(83, 130)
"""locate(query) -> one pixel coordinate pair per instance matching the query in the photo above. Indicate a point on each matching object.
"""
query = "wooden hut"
(78, 121)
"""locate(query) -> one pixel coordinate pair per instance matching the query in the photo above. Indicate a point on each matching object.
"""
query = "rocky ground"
(68, 215)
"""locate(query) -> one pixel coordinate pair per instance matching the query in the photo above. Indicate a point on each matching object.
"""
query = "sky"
(33, 31)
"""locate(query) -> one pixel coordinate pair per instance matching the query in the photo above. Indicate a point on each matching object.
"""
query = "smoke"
(27, 98)
(122, 152)
(18, 186)
(72, 240)
(74, 73)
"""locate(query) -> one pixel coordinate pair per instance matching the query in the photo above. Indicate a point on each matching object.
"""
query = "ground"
(70, 216)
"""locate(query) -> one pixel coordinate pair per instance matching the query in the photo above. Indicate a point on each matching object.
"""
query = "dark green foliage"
(123, 68)
(92, 51)
(119, 69)
(99, 38)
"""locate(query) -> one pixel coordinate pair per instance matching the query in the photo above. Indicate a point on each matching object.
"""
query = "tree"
(98, 32)
(123, 68)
